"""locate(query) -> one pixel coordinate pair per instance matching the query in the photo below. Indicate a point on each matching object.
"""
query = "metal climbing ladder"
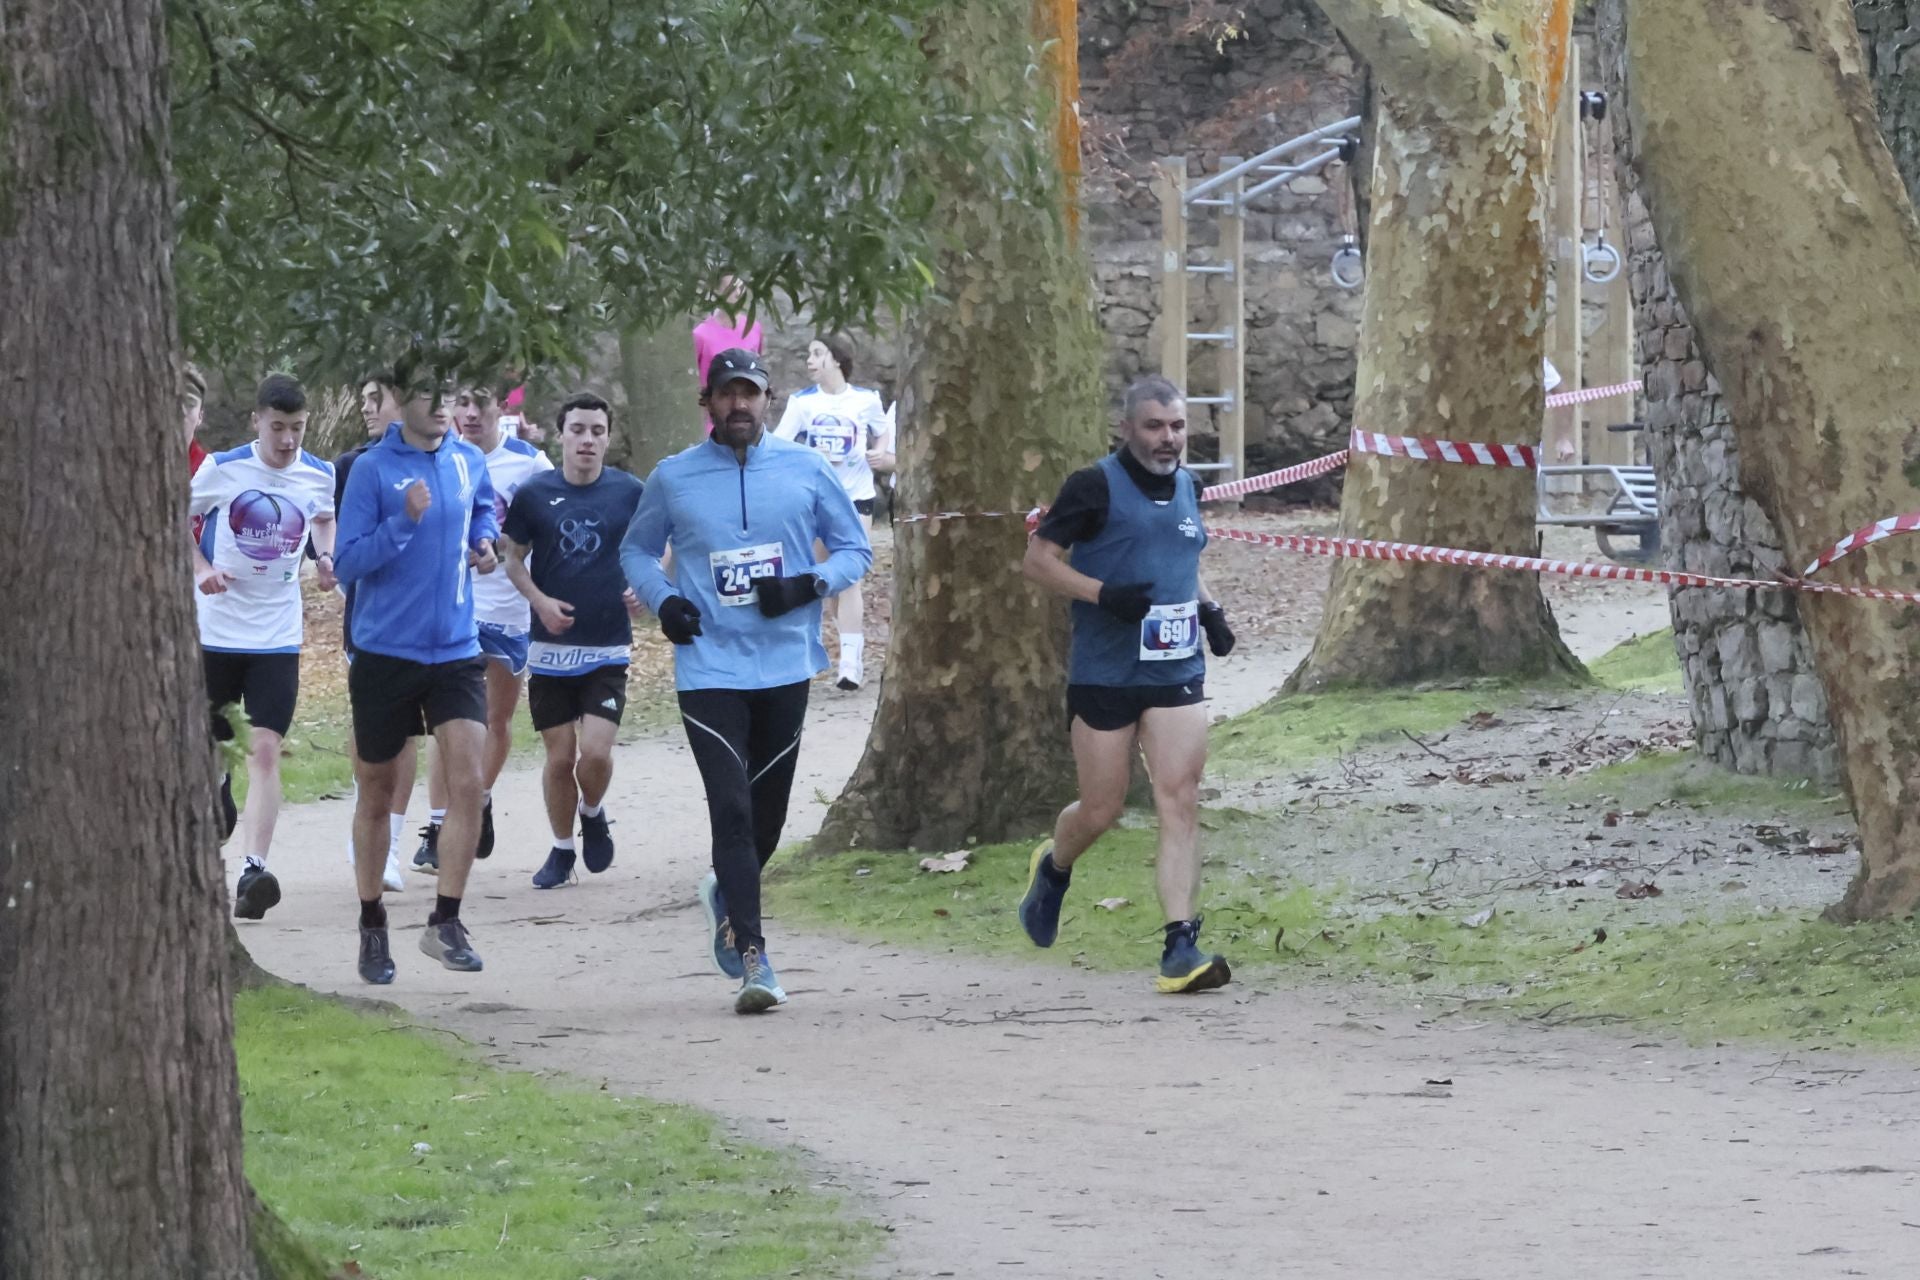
(1230, 191)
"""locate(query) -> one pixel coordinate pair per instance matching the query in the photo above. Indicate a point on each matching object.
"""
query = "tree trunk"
(1794, 245)
(1006, 399)
(1450, 340)
(119, 1102)
(1756, 704)
(1889, 30)
(662, 414)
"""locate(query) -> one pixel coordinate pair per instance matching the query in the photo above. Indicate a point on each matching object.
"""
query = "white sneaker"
(852, 669)
(393, 881)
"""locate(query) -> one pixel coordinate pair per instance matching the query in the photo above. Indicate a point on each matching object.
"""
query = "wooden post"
(1170, 184)
(1232, 418)
(1561, 434)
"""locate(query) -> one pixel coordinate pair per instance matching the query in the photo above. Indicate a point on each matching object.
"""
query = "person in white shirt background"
(848, 426)
(258, 506)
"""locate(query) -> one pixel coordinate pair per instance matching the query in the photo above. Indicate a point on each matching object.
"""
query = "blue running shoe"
(760, 989)
(376, 962)
(1184, 966)
(555, 871)
(596, 842)
(448, 943)
(726, 957)
(1040, 909)
(426, 859)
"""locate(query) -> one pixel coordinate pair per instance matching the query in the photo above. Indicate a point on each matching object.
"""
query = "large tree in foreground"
(119, 1103)
(1450, 338)
(1795, 248)
(1004, 399)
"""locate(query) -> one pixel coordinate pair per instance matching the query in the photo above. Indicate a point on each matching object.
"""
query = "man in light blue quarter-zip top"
(742, 511)
(416, 522)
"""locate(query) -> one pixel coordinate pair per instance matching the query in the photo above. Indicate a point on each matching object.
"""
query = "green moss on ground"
(1683, 778)
(1646, 664)
(1295, 729)
(380, 1144)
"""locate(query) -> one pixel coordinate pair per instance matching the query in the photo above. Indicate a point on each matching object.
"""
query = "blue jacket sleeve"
(849, 554)
(484, 527)
(365, 542)
(645, 542)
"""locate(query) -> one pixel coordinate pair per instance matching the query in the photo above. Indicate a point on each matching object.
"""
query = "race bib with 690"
(1170, 631)
(735, 572)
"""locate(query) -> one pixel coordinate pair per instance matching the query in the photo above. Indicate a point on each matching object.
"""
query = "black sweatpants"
(746, 742)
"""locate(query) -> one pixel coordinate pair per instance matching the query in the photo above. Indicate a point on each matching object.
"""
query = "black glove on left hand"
(1213, 620)
(781, 595)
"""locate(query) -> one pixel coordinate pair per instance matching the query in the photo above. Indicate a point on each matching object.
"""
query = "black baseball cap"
(737, 362)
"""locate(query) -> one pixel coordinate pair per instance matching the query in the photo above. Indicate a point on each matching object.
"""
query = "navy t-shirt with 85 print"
(575, 531)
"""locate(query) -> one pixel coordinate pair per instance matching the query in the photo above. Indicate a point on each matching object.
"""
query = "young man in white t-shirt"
(505, 620)
(848, 426)
(258, 505)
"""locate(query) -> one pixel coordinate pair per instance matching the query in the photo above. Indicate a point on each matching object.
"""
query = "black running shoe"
(256, 892)
(376, 962)
(426, 859)
(448, 943)
(485, 848)
(229, 812)
(596, 843)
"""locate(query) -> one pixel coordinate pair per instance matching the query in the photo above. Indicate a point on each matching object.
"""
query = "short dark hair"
(583, 400)
(840, 347)
(280, 392)
(1152, 389)
(192, 381)
(383, 375)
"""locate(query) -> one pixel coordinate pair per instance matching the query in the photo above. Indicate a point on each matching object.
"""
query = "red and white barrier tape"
(1587, 395)
(1274, 479)
(1367, 549)
(1875, 532)
(1425, 449)
(966, 515)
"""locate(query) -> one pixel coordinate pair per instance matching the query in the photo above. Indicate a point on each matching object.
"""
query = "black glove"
(679, 619)
(780, 595)
(1213, 620)
(1127, 601)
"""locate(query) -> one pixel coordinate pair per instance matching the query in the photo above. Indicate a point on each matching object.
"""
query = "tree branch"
(1420, 51)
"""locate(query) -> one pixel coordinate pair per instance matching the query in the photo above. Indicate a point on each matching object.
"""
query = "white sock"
(396, 828)
(566, 844)
(436, 816)
(257, 860)
(486, 797)
(850, 647)
(589, 811)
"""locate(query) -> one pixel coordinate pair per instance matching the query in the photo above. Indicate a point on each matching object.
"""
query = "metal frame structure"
(1230, 192)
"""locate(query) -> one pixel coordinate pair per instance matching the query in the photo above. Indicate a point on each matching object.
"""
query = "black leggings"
(746, 742)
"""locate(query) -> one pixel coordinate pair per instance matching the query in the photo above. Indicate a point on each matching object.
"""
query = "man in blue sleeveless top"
(1123, 542)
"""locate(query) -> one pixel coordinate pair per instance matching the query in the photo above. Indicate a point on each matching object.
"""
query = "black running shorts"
(1108, 707)
(863, 505)
(558, 700)
(395, 699)
(266, 684)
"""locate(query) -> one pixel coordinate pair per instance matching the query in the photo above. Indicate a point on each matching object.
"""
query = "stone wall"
(1757, 706)
(1189, 78)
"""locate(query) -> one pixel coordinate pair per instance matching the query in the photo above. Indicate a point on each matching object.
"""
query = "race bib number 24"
(735, 572)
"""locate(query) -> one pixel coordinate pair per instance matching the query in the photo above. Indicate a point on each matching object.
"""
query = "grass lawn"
(390, 1147)
(1780, 975)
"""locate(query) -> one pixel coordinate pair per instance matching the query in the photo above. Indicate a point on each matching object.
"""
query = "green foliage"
(492, 183)
(522, 1180)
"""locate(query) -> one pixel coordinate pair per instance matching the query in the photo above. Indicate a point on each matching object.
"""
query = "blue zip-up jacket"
(412, 589)
(731, 522)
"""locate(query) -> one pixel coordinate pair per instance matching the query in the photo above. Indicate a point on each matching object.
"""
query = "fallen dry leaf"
(1478, 918)
(955, 861)
(1645, 889)
(1113, 904)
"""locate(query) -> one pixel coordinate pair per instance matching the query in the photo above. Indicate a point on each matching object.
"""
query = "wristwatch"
(819, 585)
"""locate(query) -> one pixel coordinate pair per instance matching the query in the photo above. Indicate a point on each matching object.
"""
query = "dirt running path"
(1038, 1121)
